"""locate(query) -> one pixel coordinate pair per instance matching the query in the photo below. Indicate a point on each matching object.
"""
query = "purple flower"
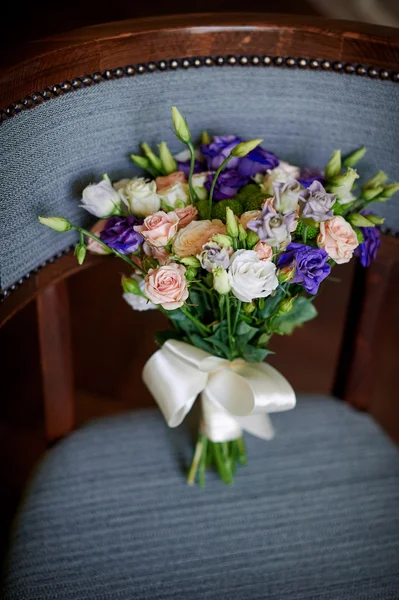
(120, 235)
(257, 161)
(317, 203)
(227, 185)
(368, 249)
(272, 228)
(310, 264)
(219, 149)
(185, 167)
(309, 175)
(213, 256)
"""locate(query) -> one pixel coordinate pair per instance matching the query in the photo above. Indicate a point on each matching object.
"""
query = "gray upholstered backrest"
(48, 154)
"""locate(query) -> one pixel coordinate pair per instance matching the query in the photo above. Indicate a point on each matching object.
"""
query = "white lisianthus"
(221, 281)
(101, 199)
(199, 185)
(346, 197)
(175, 196)
(139, 195)
(281, 174)
(250, 277)
(138, 302)
(286, 196)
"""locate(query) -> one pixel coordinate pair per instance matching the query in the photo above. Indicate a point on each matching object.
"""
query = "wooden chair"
(108, 513)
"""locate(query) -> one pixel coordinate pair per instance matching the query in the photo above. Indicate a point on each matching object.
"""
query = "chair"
(108, 514)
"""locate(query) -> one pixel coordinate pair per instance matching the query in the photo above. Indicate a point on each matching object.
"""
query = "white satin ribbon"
(235, 395)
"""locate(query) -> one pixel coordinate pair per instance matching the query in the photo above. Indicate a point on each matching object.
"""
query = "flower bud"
(224, 241)
(242, 234)
(231, 223)
(56, 223)
(375, 220)
(353, 158)
(286, 274)
(154, 160)
(376, 181)
(359, 220)
(180, 125)
(252, 239)
(333, 167)
(286, 306)
(248, 307)
(359, 234)
(191, 273)
(131, 286)
(80, 253)
(190, 261)
(221, 281)
(371, 193)
(346, 181)
(390, 190)
(244, 148)
(144, 163)
(205, 138)
(168, 162)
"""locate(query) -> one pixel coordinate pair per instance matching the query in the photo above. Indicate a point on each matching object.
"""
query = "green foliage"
(302, 311)
(312, 232)
(202, 207)
(340, 209)
(219, 208)
(270, 304)
(251, 197)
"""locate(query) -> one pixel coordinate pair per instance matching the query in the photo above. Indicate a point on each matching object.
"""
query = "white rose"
(199, 185)
(138, 302)
(251, 277)
(281, 174)
(101, 200)
(139, 195)
(175, 196)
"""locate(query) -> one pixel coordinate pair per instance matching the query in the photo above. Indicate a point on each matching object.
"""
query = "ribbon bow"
(235, 395)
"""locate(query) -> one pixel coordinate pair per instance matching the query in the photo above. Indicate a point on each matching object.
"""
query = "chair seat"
(315, 514)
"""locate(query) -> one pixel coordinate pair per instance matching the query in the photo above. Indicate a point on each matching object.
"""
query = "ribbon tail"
(258, 425)
(217, 424)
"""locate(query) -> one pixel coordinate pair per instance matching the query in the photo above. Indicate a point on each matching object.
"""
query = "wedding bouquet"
(231, 244)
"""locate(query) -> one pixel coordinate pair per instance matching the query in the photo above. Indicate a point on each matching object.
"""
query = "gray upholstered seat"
(313, 515)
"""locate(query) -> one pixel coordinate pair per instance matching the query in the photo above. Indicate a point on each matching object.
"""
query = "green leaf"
(302, 311)
(245, 332)
(169, 334)
(198, 300)
(270, 304)
(200, 342)
(254, 355)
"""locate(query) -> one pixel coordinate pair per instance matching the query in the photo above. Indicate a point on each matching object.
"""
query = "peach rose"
(163, 183)
(159, 253)
(190, 239)
(186, 215)
(264, 251)
(250, 215)
(94, 246)
(167, 286)
(159, 228)
(338, 239)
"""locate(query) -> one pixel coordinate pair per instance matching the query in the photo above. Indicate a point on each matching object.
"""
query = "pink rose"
(159, 253)
(163, 183)
(250, 215)
(338, 239)
(159, 228)
(190, 239)
(186, 215)
(94, 246)
(264, 251)
(167, 286)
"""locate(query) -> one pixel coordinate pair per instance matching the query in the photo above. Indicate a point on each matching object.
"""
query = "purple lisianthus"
(309, 175)
(310, 264)
(185, 167)
(316, 203)
(227, 185)
(368, 249)
(272, 228)
(219, 149)
(120, 235)
(257, 161)
(213, 256)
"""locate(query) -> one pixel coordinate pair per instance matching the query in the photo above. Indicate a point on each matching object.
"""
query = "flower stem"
(200, 325)
(202, 464)
(222, 466)
(305, 234)
(239, 303)
(196, 460)
(229, 330)
(242, 451)
(193, 195)
(220, 169)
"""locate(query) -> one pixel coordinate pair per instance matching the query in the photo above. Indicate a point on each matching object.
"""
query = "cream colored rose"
(251, 277)
(186, 215)
(139, 195)
(198, 181)
(101, 199)
(264, 251)
(190, 239)
(163, 183)
(167, 286)
(159, 228)
(338, 239)
(174, 196)
(250, 215)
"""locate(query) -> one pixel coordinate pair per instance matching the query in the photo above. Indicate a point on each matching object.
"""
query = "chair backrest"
(80, 103)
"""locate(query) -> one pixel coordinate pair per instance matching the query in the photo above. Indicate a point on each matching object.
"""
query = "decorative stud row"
(194, 62)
